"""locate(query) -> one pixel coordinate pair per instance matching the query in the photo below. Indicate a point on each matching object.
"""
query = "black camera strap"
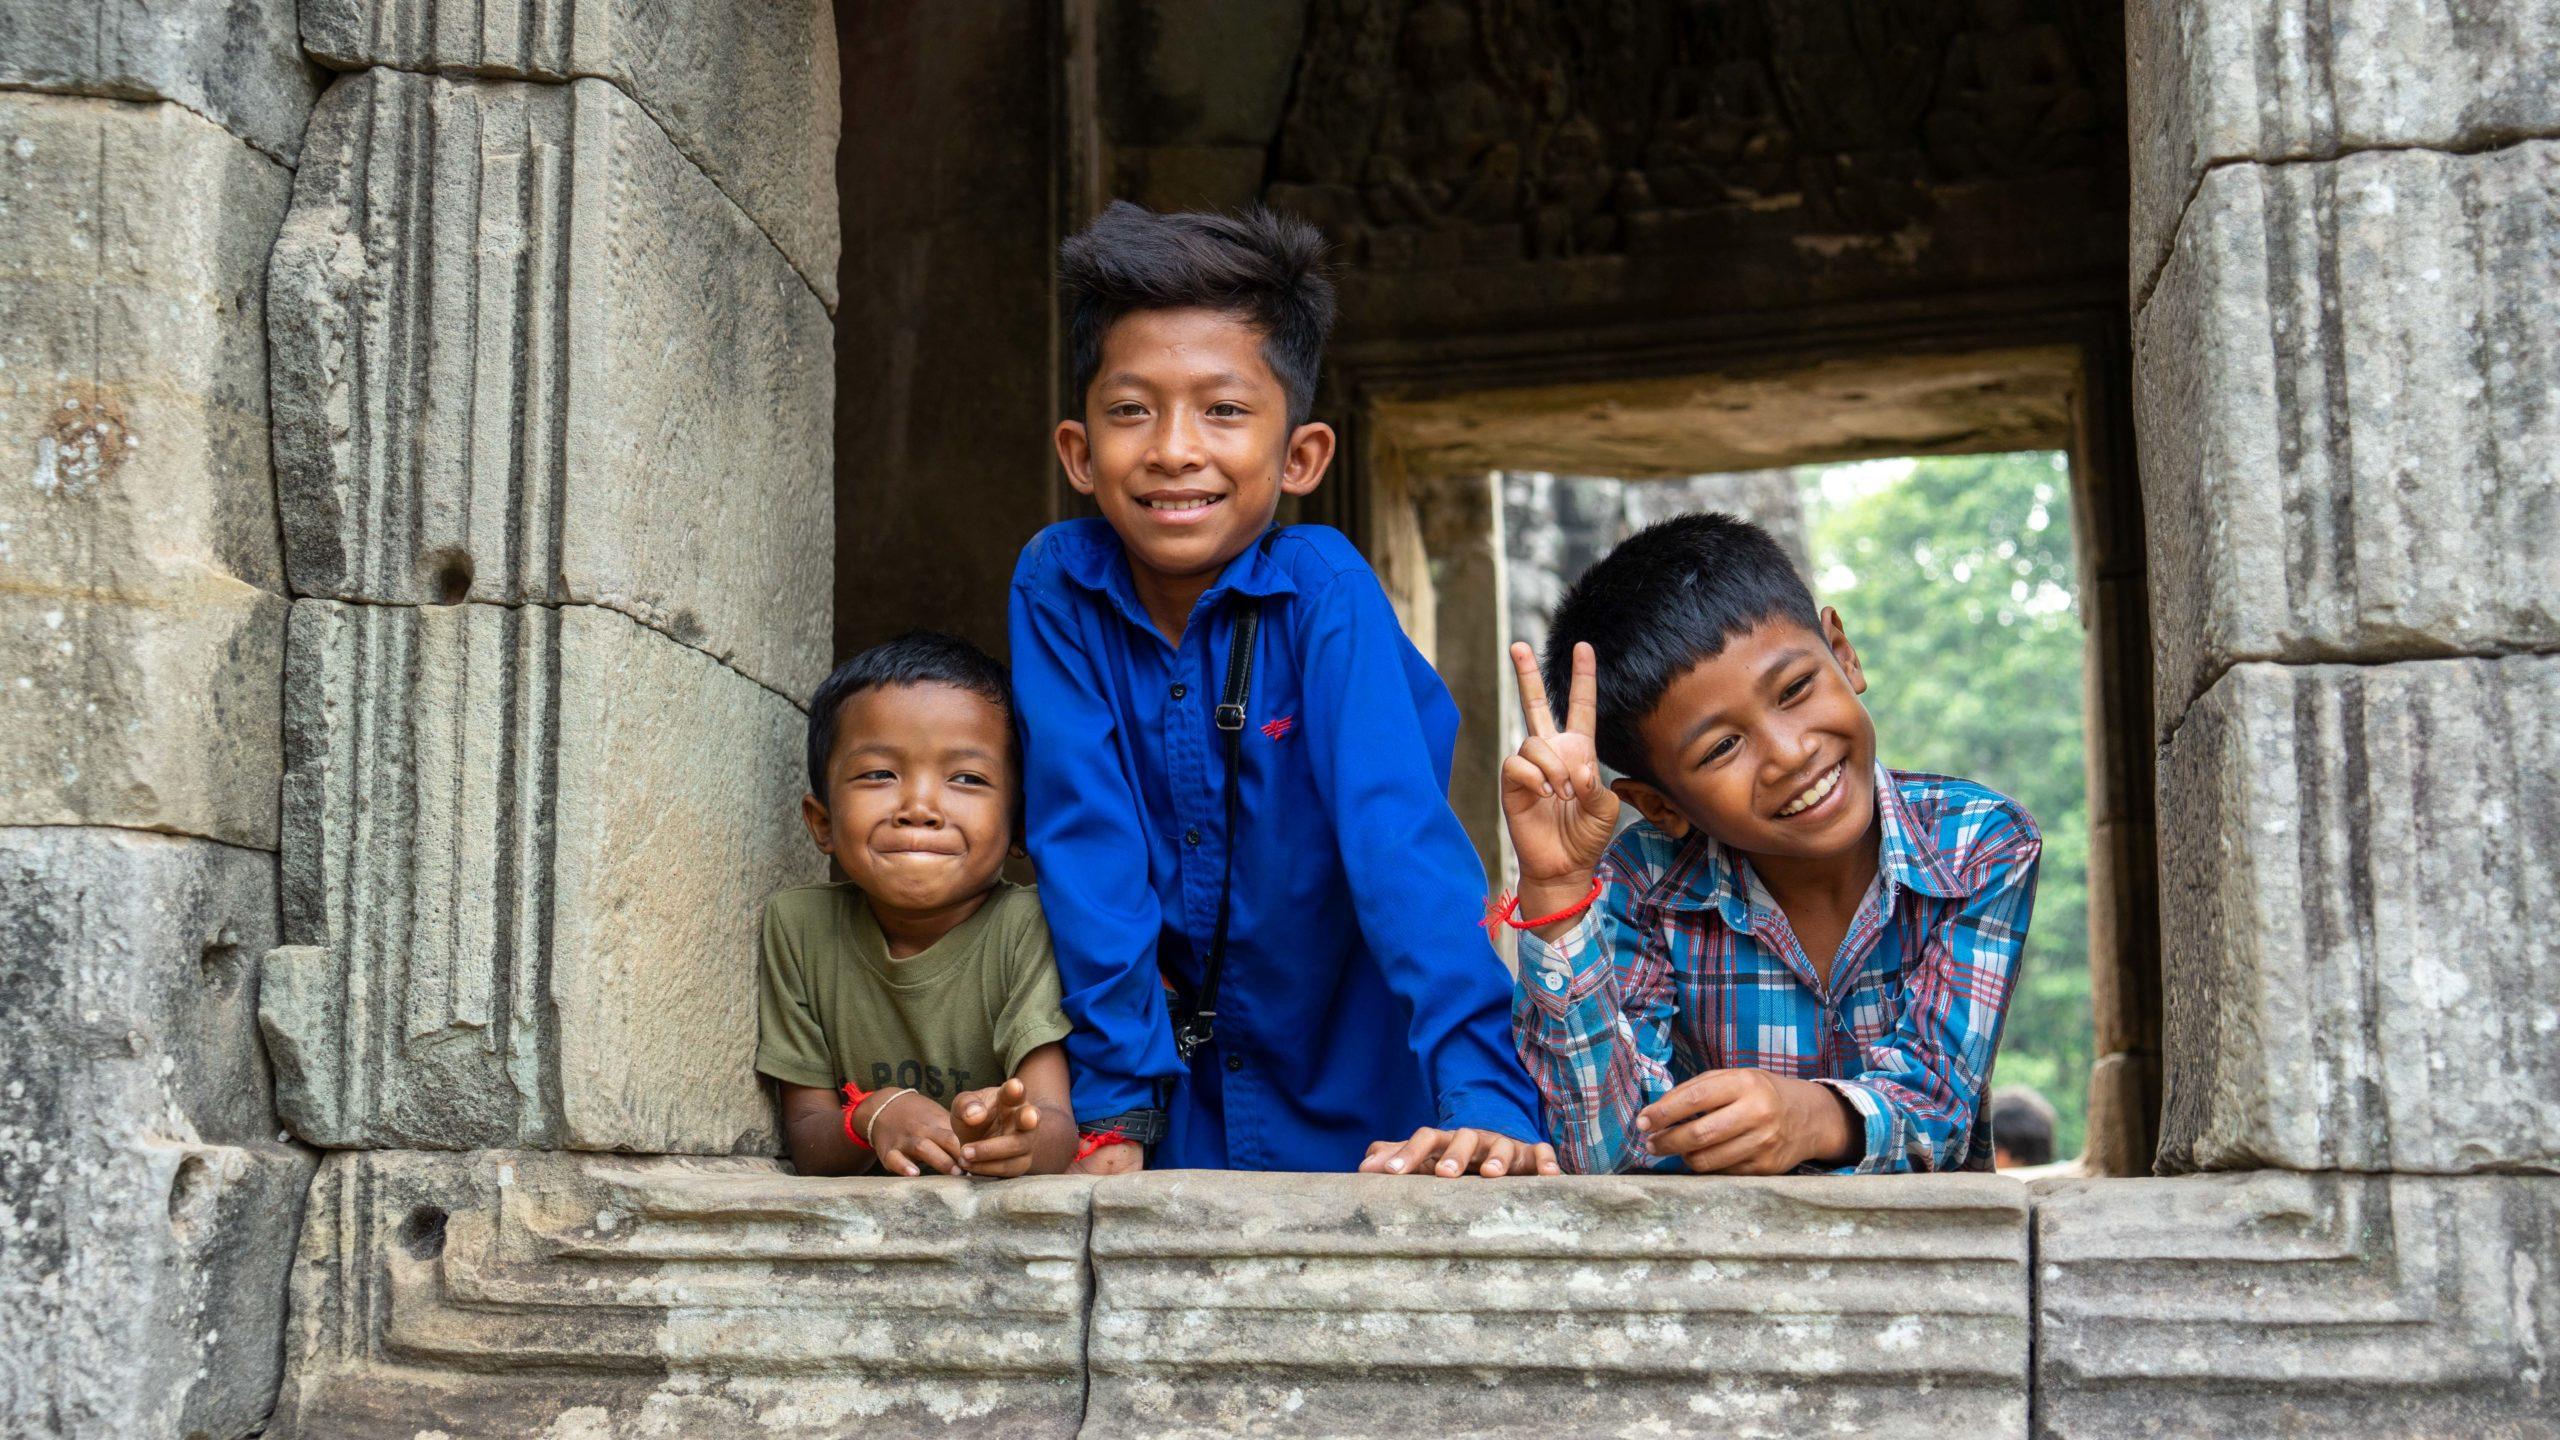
(1201, 1026)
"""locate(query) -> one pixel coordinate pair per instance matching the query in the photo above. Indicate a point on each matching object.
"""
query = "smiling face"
(1765, 745)
(1186, 445)
(919, 803)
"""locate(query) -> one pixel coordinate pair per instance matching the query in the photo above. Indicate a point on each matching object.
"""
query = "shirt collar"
(1101, 565)
(1705, 875)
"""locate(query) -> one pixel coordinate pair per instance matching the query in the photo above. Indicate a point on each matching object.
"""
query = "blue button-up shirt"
(1359, 999)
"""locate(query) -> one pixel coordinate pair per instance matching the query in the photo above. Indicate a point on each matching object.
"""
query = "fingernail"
(968, 1152)
(1396, 1165)
(1448, 1167)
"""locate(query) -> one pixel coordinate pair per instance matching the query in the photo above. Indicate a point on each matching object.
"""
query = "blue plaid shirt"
(1686, 964)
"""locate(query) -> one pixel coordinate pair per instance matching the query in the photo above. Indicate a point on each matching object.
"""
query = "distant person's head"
(913, 772)
(1195, 341)
(2021, 1127)
(1726, 699)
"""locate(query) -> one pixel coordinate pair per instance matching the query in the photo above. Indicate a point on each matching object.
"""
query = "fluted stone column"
(2347, 349)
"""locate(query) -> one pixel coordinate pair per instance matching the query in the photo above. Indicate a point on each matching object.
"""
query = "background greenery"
(1954, 577)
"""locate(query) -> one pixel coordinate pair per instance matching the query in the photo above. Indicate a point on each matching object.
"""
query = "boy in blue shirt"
(1354, 1015)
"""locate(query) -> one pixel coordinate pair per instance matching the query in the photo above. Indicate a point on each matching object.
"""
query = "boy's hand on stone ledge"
(912, 1134)
(995, 1127)
(1749, 1122)
(1112, 1160)
(1449, 1154)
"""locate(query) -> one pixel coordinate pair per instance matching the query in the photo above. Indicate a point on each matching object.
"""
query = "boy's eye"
(877, 775)
(1227, 410)
(1127, 410)
(968, 777)
(1720, 749)
(1801, 684)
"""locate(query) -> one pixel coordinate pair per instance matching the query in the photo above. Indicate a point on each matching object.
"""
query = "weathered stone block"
(525, 851)
(525, 351)
(2359, 924)
(1325, 1305)
(2350, 437)
(2297, 1305)
(147, 1211)
(514, 1294)
(2221, 80)
(237, 64)
(750, 93)
(139, 646)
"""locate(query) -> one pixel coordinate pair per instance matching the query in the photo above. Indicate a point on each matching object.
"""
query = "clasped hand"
(1748, 1122)
(985, 1132)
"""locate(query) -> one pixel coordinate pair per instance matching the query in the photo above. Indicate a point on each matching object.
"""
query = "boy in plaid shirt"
(1799, 960)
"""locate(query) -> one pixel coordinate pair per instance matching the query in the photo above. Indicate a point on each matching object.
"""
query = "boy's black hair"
(919, 657)
(1667, 598)
(1259, 265)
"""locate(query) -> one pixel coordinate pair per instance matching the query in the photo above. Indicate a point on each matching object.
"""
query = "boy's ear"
(1836, 635)
(813, 813)
(1075, 452)
(1302, 468)
(1653, 805)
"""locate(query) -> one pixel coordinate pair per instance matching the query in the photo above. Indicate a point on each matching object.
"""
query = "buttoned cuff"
(1882, 1124)
(1557, 974)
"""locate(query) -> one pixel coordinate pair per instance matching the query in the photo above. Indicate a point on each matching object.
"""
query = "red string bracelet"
(1505, 910)
(1099, 1139)
(854, 1095)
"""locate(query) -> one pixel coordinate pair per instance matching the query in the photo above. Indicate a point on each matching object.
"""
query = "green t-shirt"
(958, 1016)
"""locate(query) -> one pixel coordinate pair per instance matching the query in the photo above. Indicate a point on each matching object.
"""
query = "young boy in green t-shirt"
(911, 1015)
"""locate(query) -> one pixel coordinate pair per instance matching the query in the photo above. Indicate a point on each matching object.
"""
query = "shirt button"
(1181, 690)
(1191, 837)
(1551, 980)
(1235, 1062)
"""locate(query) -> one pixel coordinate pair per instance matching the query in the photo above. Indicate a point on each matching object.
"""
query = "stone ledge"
(655, 1297)
(2272, 1303)
(1306, 1305)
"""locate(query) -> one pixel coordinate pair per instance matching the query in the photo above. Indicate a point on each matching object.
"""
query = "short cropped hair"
(2022, 1124)
(919, 657)
(1669, 597)
(1260, 266)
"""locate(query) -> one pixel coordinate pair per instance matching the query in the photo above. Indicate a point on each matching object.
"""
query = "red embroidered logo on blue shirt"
(1281, 726)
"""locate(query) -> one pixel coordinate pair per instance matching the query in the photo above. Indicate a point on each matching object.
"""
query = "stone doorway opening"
(1477, 506)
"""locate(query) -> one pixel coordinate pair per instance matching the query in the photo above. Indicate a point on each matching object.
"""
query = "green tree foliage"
(1954, 576)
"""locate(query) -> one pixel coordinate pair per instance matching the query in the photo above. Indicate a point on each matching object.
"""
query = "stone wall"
(148, 1202)
(2346, 351)
(446, 727)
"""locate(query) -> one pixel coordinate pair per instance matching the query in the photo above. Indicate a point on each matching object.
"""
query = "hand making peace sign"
(1561, 816)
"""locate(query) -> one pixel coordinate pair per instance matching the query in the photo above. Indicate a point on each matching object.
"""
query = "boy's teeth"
(1181, 504)
(1813, 796)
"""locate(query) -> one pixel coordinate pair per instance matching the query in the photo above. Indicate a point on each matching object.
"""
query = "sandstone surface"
(614, 1298)
(147, 1208)
(1368, 1305)
(237, 64)
(2358, 920)
(750, 93)
(526, 351)
(140, 638)
(2232, 80)
(525, 852)
(2297, 1305)
(2348, 385)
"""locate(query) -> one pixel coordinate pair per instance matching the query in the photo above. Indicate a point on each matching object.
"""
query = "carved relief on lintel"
(1431, 133)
